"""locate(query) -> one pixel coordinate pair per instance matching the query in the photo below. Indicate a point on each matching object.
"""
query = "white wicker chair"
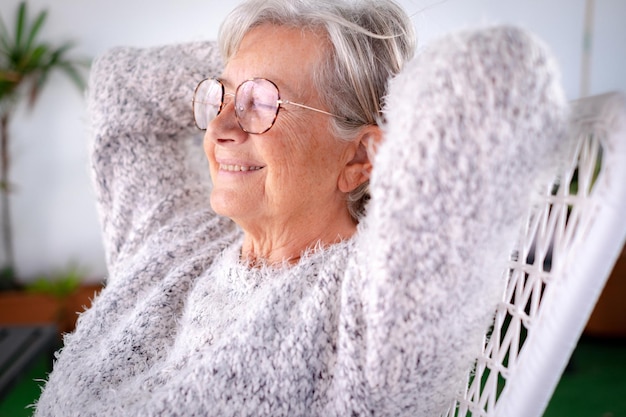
(565, 254)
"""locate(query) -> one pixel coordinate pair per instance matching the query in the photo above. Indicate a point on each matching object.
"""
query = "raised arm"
(470, 122)
(144, 156)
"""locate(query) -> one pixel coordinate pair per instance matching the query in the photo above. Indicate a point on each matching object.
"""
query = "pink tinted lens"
(207, 102)
(256, 105)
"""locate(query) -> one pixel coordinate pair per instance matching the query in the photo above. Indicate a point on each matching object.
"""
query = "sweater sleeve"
(469, 125)
(146, 151)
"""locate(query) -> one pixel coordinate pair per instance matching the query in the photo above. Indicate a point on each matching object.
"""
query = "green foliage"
(26, 62)
(7, 279)
(59, 284)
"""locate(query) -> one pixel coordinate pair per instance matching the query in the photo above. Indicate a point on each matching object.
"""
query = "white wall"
(55, 221)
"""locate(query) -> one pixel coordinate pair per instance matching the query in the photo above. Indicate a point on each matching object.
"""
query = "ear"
(359, 166)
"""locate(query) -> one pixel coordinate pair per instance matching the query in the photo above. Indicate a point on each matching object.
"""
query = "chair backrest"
(566, 251)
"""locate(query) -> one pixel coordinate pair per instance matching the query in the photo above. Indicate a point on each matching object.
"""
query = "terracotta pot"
(78, 302)
(609, 315)
(21, 307)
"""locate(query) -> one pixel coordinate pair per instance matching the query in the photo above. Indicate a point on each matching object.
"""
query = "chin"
(220, 206)
(228, 205)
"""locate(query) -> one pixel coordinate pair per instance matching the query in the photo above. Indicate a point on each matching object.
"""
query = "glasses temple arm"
(309, 108)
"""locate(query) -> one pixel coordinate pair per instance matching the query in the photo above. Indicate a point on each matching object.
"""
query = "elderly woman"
(290, 294)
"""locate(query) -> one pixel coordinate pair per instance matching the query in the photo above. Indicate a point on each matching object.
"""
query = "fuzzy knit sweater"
(386, 323)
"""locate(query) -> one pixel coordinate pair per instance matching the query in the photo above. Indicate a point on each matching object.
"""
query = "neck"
(287, 243)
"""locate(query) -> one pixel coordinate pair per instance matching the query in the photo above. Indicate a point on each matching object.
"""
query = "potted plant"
(55, 298)
(26, 63)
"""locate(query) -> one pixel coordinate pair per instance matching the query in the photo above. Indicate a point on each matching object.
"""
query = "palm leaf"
(19, 27)
(5, 38)
(58, 54)
(32, 60)
(26, 61)
(73, 72)
(41, 18)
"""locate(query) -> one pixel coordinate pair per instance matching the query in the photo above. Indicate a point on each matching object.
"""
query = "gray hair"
(371, 40)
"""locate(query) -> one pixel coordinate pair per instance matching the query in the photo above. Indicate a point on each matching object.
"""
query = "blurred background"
(55, 222)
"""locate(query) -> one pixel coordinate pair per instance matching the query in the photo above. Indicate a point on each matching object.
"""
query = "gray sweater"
(385, 323)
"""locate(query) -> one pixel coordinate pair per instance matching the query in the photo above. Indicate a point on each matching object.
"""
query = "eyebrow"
(282, 88)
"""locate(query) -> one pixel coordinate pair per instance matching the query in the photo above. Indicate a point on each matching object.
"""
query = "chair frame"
(566, 252)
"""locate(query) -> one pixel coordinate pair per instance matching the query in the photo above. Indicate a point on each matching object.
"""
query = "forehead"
(286, 55)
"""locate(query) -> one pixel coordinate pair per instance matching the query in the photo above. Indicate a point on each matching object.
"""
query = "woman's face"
(290, 173)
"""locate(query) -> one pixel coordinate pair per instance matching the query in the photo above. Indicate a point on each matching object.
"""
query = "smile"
(238, 168)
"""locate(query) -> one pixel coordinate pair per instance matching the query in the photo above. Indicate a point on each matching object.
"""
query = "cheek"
(307, 165)
(207, 144)
(305, 139)
(289, 149)
(209, 151)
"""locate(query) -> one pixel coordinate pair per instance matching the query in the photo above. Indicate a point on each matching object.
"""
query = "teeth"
(237, 168)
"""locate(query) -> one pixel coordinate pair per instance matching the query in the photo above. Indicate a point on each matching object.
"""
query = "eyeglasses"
(257, 102)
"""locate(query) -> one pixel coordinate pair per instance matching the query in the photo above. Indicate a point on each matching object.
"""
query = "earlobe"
(358, 169)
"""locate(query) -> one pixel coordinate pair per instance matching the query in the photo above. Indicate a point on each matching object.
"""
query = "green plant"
(25, 66)
(60, 284)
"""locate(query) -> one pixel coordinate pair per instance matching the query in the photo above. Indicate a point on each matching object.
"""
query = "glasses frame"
(280, 102)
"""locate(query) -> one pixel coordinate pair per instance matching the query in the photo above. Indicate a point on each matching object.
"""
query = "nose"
(224, 128)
